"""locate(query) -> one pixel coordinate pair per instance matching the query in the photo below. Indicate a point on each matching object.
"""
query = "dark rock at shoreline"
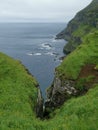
(48, 45)
(62, 58)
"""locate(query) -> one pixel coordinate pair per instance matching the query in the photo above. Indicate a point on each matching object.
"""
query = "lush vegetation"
(78, 114)
(18, 91)
(86, 53)
(18, 94)
(85, 21)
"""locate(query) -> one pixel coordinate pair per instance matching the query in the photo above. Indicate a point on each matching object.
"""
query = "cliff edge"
(85, 21)
(72, 99)
(77, 73)
(20, 96)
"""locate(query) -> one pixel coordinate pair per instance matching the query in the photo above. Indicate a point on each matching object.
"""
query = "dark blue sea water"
(35, 46)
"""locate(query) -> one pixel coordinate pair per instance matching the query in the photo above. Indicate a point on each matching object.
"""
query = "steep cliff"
(74, 91)
(84, 22)
(77, 73)
(59, 92)
(20, 97)
(39, 104)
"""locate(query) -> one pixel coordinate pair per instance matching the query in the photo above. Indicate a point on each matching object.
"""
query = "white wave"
(50, 53)
(37, 54)
(30, 54)
(54, 40)
(46, 45)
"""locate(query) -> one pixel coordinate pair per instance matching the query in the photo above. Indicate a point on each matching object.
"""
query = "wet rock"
(48, 45)
(62, 58)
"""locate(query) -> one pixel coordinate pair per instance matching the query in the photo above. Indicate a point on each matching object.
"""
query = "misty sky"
(40, 10)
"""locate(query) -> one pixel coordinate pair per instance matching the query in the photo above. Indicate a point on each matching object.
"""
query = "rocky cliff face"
(62, 88)
(59, 92)
(39, 106)
(85, 21)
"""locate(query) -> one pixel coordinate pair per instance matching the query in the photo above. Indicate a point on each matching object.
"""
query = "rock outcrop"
(85, 21)
(39, 106)
(59, 92)
(63, 89)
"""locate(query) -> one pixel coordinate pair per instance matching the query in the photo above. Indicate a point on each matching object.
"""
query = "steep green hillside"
(18, 95)
(86, 53)
(78, 114)
(78, 74)
(74, 89)
(84, 22)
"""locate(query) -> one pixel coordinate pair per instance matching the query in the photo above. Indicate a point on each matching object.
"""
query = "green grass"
(86, 53)
(84, 22)
(76, 114)
(18, 93)
(79, 113)
(17, 88)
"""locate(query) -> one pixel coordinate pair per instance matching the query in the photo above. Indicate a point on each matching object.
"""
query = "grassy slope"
(18, 95)
(84, 22)
(78, 113)
(18, 92)
(80, 33)
(86, 53)
(16, 86)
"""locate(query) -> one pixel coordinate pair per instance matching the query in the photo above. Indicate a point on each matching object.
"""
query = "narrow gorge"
(77, 73)
(72, 97)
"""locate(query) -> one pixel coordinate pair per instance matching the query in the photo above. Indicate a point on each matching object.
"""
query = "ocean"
(35, 46)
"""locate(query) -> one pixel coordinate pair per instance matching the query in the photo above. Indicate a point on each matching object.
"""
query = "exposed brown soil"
(89, 70)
